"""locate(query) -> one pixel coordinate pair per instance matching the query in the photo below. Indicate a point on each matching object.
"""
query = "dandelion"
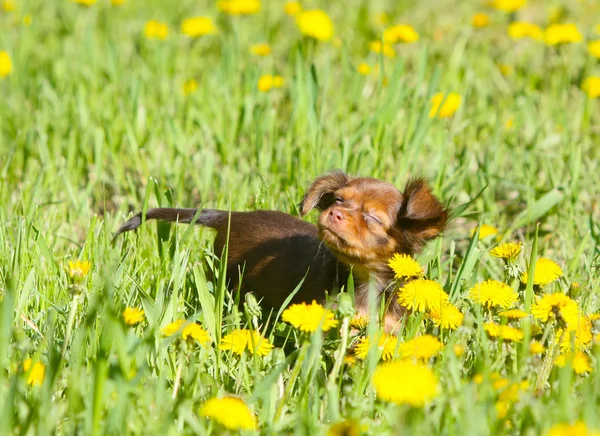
(85, 2)
(577, 429)
(422, 295)
(78, 269)
(231, 412)
(405, 382)
(190, 331)
(292, 8)
(492, 293)
(505, 332)
(591, 85)
(580, 362)
(345, 428)
(597, 29)
(480, 20)
(6, 66)
(405, 266)
(507, 250)
(508, 6)
(459, 350)
(117, 2)
(446, 317)
(309, 317)
(583, 334)
(513, 314)
(198, 26)
(546, 271)
(562, 34)
(401, 33)
(268, 82)
(536, 348)
(505, 70)
(485, 230)
(594, 48)
(36, 376)
(8, 6)
(154, 29)
(260, 50)
(315, 24)
(359, 322)
(243, 339)
(386, 344)
(385, 48)
(521, 29)
(451, 102)
(421, 347)
(364, 68)
(27, 20)
(189, 87)
(133, 315)
(556, 306)
(239, 7)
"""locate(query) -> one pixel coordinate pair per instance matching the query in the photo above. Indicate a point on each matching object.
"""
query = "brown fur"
(362, 223)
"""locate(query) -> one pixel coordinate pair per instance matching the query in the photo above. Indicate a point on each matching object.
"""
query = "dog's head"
(364, 221)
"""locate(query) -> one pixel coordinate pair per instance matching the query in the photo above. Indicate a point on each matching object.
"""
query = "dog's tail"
(206, 217)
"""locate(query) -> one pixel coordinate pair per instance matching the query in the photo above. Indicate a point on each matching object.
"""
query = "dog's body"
(363, 222)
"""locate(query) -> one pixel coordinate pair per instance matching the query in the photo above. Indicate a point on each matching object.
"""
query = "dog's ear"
(421, 217)
(320, 193)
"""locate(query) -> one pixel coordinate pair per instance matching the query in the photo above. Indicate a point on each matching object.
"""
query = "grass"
(93, 125)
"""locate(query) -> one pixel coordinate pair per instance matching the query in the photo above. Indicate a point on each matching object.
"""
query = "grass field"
(111, 107)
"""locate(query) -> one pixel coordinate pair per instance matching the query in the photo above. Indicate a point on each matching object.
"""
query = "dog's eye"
(370, 219)
(339, 200)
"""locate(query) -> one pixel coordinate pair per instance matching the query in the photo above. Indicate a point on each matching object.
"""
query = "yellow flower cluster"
(231, 412)
(309, 317)
(198, 26)
(422, 295)
(444, 105)
(133, 315)
(268, 82)
(405, 382)
(546, 271)
(240, 340)
(405, 266)
(239, 7)
(493, 293)
(315, 24)
(189, 331)
(154, 29)
(386, 344)
(6, 66)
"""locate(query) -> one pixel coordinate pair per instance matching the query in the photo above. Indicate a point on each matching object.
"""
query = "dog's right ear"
(320, 193)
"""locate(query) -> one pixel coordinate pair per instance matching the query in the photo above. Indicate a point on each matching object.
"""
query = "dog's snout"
(336, 216)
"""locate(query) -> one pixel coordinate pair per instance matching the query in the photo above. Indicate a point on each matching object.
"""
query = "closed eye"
(370, 219)
(339, 200)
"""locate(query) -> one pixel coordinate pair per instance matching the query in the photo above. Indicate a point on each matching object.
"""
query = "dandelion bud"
(345, 307)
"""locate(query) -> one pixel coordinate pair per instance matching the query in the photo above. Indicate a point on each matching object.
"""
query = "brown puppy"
(363, 222)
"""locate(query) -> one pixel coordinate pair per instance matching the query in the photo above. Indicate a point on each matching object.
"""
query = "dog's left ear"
(320, 193)
(421, 217)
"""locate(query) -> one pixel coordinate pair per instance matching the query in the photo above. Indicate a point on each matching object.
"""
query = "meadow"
(112, 106)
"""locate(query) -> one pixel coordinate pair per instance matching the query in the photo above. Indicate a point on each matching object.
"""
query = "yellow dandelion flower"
(590, 85)
(505, 332)
(422, 295)
(583, 334)
(536, 348)
(459, 350)
(447, 316)
(385, 48)
(485, 230)
(594, 317)
(242, 339)
(359, 322)
(133, 315)
(37, 373)
(555, 306)
(386, 344)
(27, 20)
(85, 2)
(268, 82)
(507, 250)
(597, 29)
(509, 123)
(521, 29)
(562, 34)
(345, 428)
(580, 362)
(315, 24)
(480, 20)
(546, 271)
(513, 314)
(505, 70)
(594, 48)
(309, 317)
(154, 29)
(198, 26)
(231, 412)
(364, 68)
(6, 66)
(350, 360)
(400, 33)
(189, 87)
(405, 382)
(239, 7)
(8, 6)
(492, 293)
(189, 331)
(405, 266)
(508, 6)
(117, 2)
(79, 269)
(444, 105)
(292, 8)
(260, 49)
(421, 347)
(577, 429)
(478, 379)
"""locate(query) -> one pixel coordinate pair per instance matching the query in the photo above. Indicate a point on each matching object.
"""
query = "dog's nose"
(336, 216)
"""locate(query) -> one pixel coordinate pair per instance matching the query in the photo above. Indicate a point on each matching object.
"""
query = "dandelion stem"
(291, 381)
(178, 376)
(70, 322)
(331, 382)
(547, 366)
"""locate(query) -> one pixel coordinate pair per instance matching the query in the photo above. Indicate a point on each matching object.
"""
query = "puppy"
(362, 223)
